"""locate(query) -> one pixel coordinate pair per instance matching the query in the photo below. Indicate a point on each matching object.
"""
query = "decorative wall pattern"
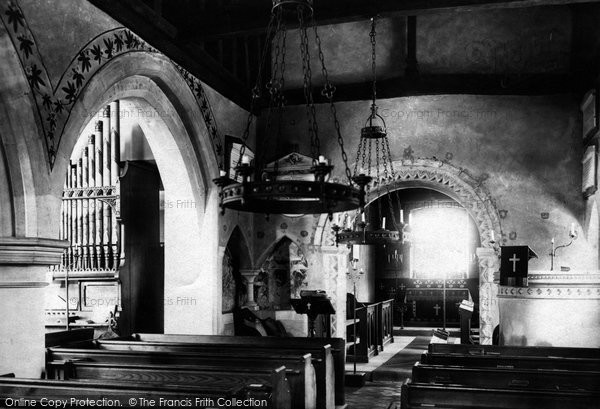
(439, 283)
(277, 269)
(228, 285)
(298, 270)
(261, 291)
(489, 317)
(54, 102)
(550, 292)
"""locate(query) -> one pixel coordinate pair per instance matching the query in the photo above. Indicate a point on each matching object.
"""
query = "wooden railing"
(374, 330)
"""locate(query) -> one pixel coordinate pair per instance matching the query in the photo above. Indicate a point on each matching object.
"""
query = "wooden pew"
(507, 361)
(299, 373)
(515, 350)
(418, 395)
(329, 372)
(539, 379)
(338, 348)
(38, 389)
(68, 337)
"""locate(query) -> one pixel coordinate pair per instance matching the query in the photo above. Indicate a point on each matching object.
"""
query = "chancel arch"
(471, 194)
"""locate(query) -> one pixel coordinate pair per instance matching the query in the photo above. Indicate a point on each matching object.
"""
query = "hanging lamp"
(373, 133)
(260, 189)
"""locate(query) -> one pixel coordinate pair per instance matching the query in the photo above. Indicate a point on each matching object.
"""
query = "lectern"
(514, 265)
(313, 304)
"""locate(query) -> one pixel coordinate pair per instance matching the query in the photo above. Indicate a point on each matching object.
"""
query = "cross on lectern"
(514, 260)
(437, 310)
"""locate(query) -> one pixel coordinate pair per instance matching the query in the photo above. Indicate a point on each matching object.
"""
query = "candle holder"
(494, 244)
(354, 276)
(572, 235)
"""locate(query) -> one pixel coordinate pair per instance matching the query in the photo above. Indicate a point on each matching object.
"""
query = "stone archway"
(469, 192)
(186, 161)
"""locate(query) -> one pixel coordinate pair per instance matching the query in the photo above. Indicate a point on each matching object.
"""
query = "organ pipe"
(89, 210)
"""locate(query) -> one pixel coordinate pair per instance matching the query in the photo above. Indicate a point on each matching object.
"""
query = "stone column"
(24, 265)
(250, 276)
(489, 265)
(334, 269)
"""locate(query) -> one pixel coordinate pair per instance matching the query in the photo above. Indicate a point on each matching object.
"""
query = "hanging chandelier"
(261, 189)
(373, 133)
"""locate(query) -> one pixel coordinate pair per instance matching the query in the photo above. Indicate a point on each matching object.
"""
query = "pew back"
(338, 348)
(515, 350)
(300, 374)
(72, 391)
(504, 361)
(507, 378)
(418, 395)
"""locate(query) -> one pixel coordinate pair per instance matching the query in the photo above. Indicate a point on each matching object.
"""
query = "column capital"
(31, 251)
(486, 252)
(249, 275)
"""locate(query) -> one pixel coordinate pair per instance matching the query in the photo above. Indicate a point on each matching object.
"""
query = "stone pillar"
(489, 265)
(250, 276)
(334, 272)
(24, 265)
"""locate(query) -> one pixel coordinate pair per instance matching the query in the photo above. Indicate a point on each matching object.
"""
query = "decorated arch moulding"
(55, 101)
(469, 192)
(441, 176)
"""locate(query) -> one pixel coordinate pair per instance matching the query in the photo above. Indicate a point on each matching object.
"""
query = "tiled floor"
(374, 395)
(383, 392)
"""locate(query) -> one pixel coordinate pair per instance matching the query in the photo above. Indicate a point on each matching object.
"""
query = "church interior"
(318, 204)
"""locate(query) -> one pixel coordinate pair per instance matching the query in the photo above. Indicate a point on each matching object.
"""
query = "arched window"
(440, 239)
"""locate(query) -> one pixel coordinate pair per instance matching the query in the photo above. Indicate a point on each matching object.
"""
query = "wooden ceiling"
(219, 41)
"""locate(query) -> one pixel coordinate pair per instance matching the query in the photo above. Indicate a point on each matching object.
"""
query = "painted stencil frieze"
(54, 102)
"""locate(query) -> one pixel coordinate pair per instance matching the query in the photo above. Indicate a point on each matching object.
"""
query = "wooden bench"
(38, 389)
(541, 379)
(299, 372)
(67, 337)
(418, 395)
(512, 362)
(338, 348)
(515, 350)
(329, 378)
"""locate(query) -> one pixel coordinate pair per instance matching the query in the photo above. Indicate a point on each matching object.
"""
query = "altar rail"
(374, 330)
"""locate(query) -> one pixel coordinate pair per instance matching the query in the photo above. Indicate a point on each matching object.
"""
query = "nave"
(245, 199)
(213, 371)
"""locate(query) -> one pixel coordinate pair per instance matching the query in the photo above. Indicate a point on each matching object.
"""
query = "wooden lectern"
(313, 304)
(514, 265)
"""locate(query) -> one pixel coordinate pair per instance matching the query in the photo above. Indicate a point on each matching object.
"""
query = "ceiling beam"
(476, 84)
(252, 16)
(162, 35)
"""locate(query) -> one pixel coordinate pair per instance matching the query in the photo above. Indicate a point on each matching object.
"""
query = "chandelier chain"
(274, 86)
(307, 87)
(328, 92)
(282, 97)
(372, 36)
(378, 180)
(396, 192)
(256, 93)
(360, 143)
